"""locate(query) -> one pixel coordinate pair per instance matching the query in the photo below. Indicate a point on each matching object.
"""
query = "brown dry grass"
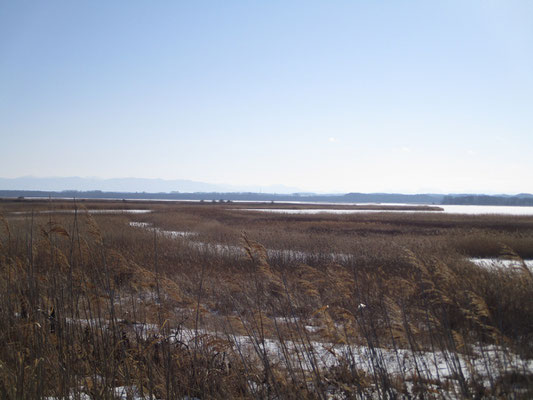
(89, 303)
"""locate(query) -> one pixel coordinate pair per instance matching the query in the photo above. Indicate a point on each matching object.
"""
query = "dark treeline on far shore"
(517, 200)
(233, 196)
(482, 200)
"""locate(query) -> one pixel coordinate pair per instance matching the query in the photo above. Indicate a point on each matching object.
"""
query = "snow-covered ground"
(495, 263)
(60, 211)
(484, 362)
(172, 234)
(480, 360)
(119, 392)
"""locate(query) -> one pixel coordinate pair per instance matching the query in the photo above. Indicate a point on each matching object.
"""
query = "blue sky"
(404, 96)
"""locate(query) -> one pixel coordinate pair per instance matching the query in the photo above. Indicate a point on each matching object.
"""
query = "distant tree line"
(518, 200)
(233, 196)
(484, 200)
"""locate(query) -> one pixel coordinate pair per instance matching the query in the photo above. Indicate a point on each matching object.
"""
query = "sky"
(326, 96)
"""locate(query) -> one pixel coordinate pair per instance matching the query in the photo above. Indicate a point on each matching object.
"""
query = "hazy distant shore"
(431, 199)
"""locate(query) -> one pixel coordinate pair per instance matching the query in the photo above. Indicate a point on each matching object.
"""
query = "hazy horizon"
(336, 97)
(149, 185)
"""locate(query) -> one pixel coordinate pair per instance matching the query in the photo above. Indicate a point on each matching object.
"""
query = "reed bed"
(260, 306)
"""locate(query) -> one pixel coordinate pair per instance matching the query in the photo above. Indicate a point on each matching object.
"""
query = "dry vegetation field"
(212, 301)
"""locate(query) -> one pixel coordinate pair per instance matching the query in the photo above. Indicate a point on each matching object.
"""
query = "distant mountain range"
(131, 185)
(159, 189)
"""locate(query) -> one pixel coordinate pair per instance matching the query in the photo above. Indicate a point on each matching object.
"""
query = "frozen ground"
(484, 363)
(60, 211)
(500, 263)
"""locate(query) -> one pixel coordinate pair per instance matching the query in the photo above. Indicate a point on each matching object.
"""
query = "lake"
(448, 209)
